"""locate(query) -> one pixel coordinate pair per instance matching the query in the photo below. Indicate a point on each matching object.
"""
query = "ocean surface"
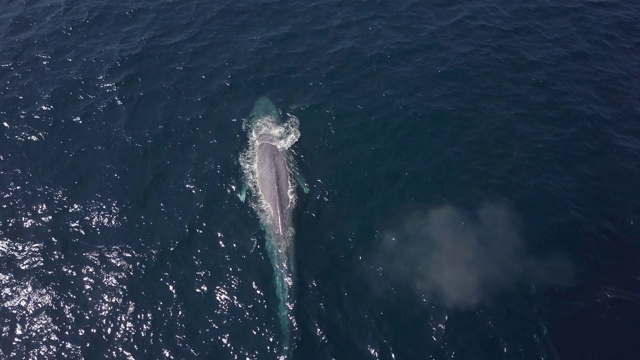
(474, 172)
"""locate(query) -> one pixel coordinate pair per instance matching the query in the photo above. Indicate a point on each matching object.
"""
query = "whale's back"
(273, 183)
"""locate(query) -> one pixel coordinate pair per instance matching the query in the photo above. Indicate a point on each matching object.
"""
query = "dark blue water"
(474, 171)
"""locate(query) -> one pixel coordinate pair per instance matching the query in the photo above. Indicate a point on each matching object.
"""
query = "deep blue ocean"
(474, 170)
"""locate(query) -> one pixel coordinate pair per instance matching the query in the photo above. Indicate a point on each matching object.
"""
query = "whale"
(271, 175)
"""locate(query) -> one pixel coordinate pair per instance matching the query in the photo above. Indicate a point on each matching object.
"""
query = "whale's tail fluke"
(283, 278)
(284, 315)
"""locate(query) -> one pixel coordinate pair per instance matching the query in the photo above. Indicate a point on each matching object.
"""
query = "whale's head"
(265, 108)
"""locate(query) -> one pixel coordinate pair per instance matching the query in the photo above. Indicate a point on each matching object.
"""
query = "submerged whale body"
(270, 173)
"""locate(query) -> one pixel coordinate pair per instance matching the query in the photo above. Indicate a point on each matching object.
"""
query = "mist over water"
(466, 259)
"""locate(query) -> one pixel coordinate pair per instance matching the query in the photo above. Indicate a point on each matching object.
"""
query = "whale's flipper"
(301, 181)
(242, 195)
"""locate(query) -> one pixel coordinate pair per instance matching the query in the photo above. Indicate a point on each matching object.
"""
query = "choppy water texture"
(461, 156)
